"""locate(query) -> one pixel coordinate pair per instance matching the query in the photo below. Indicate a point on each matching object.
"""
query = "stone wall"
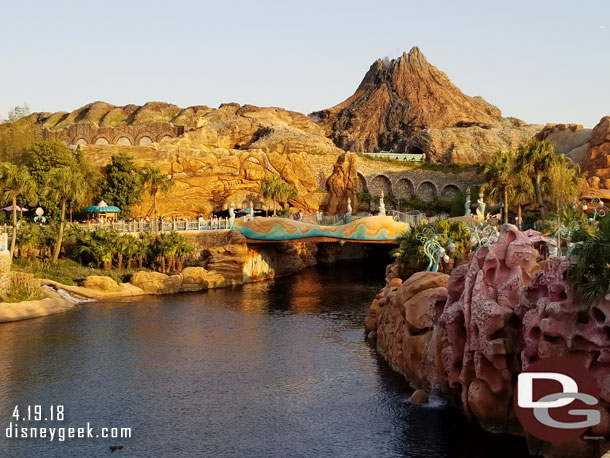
(91, 134)
(391, 178)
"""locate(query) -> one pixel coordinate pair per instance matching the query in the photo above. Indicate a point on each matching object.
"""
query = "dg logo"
(556, 399)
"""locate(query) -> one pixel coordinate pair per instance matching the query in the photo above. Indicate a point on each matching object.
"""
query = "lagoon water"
(274, 369)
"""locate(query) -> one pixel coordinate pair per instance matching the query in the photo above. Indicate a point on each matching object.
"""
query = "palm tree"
(564, 182)
(523, 192)
(64, 184)
(15, 182)
(499, 178)
(269, 188)
(156, 182)
(536, 159)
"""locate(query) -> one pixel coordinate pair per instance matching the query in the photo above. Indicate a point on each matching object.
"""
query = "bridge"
(370, 229)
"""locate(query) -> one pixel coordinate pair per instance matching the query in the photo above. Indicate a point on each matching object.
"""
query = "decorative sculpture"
(433, 248)
(481, 207)
(348, 212)
(231, 215)
(467, 211)
(381, 205)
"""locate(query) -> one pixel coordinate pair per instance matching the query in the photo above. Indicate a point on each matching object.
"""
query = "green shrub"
(23, 287)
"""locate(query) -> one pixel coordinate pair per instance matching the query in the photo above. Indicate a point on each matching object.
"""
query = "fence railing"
(408, 157)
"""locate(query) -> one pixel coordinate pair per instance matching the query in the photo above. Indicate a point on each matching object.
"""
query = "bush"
(23, 287)
(410, 251)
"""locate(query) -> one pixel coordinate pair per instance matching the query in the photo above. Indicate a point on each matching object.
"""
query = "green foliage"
(444, 168)
(23, 287)
(429, 207)
(68, 272)
(410, 251)
(122, 185)
(590, 276)
(45, 156)
(277, 190)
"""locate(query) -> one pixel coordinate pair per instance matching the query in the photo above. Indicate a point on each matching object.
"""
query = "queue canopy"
(103, 210)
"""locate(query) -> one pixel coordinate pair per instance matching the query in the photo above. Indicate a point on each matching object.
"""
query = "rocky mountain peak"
(396, 100)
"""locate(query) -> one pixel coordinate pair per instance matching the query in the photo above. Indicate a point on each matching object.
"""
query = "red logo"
(556, 399)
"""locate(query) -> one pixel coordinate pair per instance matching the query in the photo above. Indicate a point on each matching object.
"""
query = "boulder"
(419, 397)
(156, 282)
(101, 283)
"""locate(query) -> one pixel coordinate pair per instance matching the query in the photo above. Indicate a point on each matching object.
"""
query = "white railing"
(414, 218)
(3, 241)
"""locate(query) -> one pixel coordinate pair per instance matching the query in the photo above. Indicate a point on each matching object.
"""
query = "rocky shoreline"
(467, 335)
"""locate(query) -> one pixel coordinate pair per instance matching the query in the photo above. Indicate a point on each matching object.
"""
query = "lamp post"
(434, 250)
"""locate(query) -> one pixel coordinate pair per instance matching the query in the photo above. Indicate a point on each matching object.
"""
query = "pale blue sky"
(539, 60)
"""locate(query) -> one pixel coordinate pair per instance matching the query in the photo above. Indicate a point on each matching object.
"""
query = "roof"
(105, 209)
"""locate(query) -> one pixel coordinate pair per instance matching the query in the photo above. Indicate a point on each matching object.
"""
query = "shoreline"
(25, 310)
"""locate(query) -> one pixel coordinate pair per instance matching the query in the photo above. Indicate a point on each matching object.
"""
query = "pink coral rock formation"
(469, 335)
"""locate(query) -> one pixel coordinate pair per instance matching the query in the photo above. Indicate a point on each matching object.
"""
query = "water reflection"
(265, 370)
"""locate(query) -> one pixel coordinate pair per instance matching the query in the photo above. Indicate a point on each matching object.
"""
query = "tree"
(498, 174)
(63, 184)
(16, 182)
(46, 155)
(564, 182)
(535, 159)
(17, 113)
(523, 192)
(276, 189)
(123, 184)
(156, 182)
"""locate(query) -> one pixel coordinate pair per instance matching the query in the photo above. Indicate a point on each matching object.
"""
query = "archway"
(165, 138)
(404, 189)
(81, 141)
(144, 141)
(381, 183)
(123, 141)
(427, 191)
(362, 186)
(102, 141)
(450, 192)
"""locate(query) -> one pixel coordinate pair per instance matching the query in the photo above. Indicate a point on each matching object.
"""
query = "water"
(275, 369)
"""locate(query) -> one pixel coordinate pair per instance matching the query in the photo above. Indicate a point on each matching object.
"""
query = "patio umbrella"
(17, 207)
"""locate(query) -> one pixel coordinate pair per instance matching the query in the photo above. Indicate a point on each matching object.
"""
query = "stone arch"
(427, 191)
(404, 189)
(450, 191)
(164, 136)
(144, 140)
(101, 141)
(123, 140)
(380, 183)
(362, 186)
(81, 141)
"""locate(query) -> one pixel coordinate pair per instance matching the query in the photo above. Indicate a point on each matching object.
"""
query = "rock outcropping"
(596, 162)
(343, 184)
(468, 335)
(408, 105)
(221, 157)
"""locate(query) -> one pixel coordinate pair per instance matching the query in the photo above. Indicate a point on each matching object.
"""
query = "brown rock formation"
(596, 163)
(221, 157)
(343, 184)
(401, 99)
(569, 139)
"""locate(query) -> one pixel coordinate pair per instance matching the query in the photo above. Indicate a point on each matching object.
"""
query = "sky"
(538, 60)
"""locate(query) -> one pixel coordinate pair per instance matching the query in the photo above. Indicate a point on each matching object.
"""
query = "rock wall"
(469, 335)
(596, 162)
(342, 184)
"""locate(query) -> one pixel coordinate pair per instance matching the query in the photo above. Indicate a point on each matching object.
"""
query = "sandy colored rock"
(419, 397)
(343, 184)
(596, 162)
(101, 282)
(156, 282)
